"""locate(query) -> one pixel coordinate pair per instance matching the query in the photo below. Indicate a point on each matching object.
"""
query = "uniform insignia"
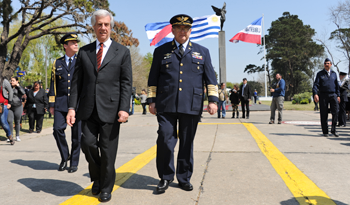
(182, 19)
(167, 55)
(74, 36)
(59, 68)
(196, 55)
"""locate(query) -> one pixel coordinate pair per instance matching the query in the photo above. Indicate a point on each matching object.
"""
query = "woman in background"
(6, 95)
(143, 101)
(16, 110)
(234, 98)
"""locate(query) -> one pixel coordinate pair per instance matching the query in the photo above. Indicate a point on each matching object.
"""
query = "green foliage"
(255, 85)
(294, 102)
(302, 98)
(229, 85)
(137, 101)
(149, 58)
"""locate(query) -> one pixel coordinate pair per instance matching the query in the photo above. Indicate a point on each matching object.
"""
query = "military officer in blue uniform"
(327, 84)
(175, 94)
(61, 77)
(343, 101)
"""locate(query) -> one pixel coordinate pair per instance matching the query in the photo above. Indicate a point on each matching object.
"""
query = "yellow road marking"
(304, 190)
(238, 123)
(123, 173)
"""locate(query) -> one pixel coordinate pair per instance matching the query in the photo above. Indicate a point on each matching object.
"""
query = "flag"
(21, 73)
(202, 28)
(251, 34)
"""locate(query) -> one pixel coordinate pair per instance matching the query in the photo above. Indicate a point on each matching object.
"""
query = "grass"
(289, 106)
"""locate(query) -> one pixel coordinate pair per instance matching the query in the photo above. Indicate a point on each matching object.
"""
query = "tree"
(257, 69)
(36, 24)
(140, 69)
(290, 47)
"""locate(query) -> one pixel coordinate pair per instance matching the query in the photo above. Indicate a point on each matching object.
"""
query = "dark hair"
(36, 82)
(244, 79)
(15, 77)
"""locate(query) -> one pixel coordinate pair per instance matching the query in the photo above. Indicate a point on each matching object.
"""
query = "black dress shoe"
(325, 135)
(104, 197)
(62, 166)
(186, 186)
(247, 117)
(95, 187)
(271, 122)
(335, 134)
(72, 169)
(163, 185)
(279, 122)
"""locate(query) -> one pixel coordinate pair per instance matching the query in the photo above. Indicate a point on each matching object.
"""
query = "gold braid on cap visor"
(213, 90)
(152, 92)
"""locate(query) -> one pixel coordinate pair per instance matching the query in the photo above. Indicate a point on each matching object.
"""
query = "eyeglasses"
(186, 29)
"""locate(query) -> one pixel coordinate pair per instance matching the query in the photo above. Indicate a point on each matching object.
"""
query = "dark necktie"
(99, 57)
(70, 63)
(181, 50)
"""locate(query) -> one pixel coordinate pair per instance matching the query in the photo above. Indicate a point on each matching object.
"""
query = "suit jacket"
(343, 95)
(60, 87)
(108, 90)
(40, 101)
(247, 93)
(175, 82)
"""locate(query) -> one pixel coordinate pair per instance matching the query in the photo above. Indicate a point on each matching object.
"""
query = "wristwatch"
(216, 103)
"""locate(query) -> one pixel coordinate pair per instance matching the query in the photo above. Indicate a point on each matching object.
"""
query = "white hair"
(102, 13)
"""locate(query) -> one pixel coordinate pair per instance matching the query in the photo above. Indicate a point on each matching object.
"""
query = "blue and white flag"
(202, 28)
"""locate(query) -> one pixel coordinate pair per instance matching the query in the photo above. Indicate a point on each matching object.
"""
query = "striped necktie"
(181, 50)
(99, 57)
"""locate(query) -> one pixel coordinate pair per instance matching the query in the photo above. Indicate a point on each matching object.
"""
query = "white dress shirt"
(184, 44)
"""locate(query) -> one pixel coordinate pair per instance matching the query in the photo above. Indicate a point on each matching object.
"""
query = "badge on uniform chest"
(196, 55)
(167, 55)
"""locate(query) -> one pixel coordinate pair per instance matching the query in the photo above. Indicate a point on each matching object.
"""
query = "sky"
(137, 13)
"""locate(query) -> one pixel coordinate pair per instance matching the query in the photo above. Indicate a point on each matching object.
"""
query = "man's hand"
(316, 98)
(71, 117)
(272, 90)
(152, 108)
(212, 108)
(52, 110)
(8, 106)
(338, 99)
(123, 116)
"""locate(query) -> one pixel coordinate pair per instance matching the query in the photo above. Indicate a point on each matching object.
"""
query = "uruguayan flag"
(202, 28)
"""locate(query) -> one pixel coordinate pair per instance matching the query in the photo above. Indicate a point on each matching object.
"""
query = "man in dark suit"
(59, 93)
(245, 95)
(342, 104)
(175, 94)
(326, 83)
(102, 84)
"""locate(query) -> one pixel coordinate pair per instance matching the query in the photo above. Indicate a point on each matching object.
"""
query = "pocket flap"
(197, 91)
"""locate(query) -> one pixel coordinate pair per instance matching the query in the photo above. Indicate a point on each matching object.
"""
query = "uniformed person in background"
(327, 84)
(342, 104)
(61, 77)
(175, 94)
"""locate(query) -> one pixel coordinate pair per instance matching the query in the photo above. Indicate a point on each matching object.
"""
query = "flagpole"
(264, 55)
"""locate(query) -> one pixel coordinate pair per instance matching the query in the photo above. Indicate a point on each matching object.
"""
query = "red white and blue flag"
(251, 34)
(202, 28)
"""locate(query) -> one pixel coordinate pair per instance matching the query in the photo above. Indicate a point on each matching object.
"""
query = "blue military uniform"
(342, 104)
(61, 78)
(176, 87)
(328, 92)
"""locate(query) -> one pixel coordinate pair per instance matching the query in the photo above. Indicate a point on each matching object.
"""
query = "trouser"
(255, 97)
(59, 127)
(132, 109)
(245, 105)
(144, 108)
(99, 142)
(39, 118)
(342, 113)
(276, 104)
(326, 99)
(222, 105)
(167, 139)
(234, 109)
(15, 115)
(4, 123)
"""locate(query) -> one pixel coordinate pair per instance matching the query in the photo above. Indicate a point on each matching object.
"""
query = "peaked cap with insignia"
(181, 19)
(69, 37)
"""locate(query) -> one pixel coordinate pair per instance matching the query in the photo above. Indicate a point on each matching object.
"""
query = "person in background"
(16, 110)
(36, 107)
(342, 104)
(6, 97)
(47, 93)
(245, 95)
(144, 101)
(278, 99)
(255, 96)
(223, 98)
(234, 98)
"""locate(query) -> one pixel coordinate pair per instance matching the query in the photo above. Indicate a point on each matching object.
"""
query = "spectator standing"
(16, 110)
(255, 96)
(342, 104)
(6, 97)
(245, 95)
(327, 83)
(234, 98)
(36, 107)
(223, 98)
(278, 99)
(144, 101)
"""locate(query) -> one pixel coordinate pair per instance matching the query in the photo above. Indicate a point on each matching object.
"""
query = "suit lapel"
(111, 53)
(188, 48)
(92, 54)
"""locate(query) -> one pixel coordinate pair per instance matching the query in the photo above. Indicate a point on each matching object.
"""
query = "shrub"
(294, 102)
(302, 97)
(304, 101)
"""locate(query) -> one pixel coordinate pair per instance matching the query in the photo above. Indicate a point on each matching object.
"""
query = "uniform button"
(68, 81)
(68, 88)
(68, 94)
(198, 67)
(197, 62)
(181, 64)
(180, 81)
(180, 89)
(167, 66)
(180, 72)
(68, 74)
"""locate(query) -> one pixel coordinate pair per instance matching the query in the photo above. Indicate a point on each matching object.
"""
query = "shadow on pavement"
(313, 200)
(51, 186)
(36, 164)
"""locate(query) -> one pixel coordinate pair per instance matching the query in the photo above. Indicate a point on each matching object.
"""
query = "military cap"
(69, 37)
(342, 73)
(327, 60)
(181, 19)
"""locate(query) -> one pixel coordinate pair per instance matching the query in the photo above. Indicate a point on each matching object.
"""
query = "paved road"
(237, 162)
